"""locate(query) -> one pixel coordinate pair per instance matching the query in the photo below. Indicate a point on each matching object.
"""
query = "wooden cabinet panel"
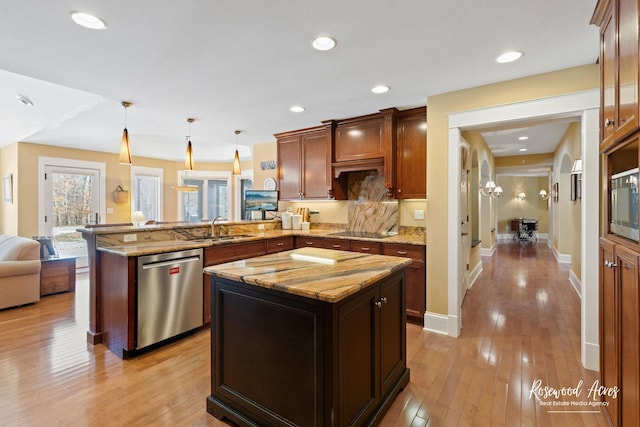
(366, 247)
(308, 241)
(316, 165)
(359, 139)
(232, 252)
(618, 69)
(280, 244)
(412, 154)
(289, 167)
(629, 333)
(609, 295)
(416, 304)
(337, 244)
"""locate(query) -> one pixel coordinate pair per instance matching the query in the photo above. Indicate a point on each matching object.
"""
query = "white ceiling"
(242, 64)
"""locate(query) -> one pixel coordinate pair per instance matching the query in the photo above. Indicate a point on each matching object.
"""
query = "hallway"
(521, 324)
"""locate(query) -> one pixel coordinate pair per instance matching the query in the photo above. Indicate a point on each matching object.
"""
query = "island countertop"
(322, 274)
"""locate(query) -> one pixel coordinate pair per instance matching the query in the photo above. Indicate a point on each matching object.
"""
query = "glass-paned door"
(72, 200)
(210, 200)
(146, 196)
(245, 184)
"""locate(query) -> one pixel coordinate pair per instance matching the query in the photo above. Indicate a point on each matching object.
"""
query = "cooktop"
(365, 234)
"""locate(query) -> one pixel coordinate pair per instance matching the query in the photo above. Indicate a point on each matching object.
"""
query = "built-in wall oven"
(169, 295)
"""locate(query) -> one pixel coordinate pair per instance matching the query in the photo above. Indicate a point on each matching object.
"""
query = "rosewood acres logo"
(578, 398)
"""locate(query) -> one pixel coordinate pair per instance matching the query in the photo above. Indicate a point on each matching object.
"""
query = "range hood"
(358, 166)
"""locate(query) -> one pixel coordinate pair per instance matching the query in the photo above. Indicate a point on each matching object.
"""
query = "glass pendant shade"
(188, 160)
(236, 158)
(125, 148)
(236, 164)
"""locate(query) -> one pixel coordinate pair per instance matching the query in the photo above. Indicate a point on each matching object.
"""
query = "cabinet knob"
(401, 252)
(337, 246)
(280, 244)
(610, 264)
(378, 304)
(609, 122)
(365, 248)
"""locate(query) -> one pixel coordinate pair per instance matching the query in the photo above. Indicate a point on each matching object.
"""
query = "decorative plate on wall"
(269, 184)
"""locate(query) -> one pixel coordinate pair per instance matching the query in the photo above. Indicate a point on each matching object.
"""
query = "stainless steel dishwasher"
(169, 297)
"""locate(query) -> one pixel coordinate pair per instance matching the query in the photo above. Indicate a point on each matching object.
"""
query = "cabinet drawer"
(366, 247)
(233, 252)
(415, 252)
(280, 244)
(337, 244)
(54, 270)
(313, 242)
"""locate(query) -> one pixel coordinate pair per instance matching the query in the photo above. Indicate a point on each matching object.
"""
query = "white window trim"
(148, 171)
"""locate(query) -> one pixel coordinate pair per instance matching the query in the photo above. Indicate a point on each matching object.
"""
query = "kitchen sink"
(221, 238)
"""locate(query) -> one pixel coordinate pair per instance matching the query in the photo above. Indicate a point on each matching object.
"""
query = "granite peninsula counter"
(308, 337)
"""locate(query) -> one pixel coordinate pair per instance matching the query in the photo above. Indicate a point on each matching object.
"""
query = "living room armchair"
(19, 271)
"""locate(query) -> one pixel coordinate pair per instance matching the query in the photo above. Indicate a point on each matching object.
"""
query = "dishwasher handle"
(169, 262)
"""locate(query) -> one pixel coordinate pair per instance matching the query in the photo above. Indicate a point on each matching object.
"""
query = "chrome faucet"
(213, 223)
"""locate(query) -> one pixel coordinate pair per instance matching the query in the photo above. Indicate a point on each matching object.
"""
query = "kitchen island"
(307, 337)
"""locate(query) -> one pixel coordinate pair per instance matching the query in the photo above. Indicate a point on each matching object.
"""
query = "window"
(146, 196)
(210, 200)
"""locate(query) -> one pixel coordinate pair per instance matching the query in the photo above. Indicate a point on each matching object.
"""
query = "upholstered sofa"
(19, 271)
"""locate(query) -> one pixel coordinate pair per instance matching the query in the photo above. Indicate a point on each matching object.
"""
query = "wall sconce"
(521, 196)
(490, 189)
(544, 195)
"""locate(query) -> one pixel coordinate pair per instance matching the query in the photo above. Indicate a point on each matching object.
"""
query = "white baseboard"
(591, 356)
(488, 251)
(575, 282)
(562, 258)
(437, 323)
(474, 274)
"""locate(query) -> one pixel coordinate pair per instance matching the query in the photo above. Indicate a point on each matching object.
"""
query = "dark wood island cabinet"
(305, 342)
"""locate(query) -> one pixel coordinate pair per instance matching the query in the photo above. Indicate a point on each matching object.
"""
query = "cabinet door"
(392, 332)
(629, 399)
(316, 165)
(289, 167)
(609, 326)
(359, 140)
(607, 80)
(627, 87)
(358, 383)
(416, 278)
(412, 157)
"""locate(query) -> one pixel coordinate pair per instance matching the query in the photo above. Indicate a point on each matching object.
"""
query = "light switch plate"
(418, 214)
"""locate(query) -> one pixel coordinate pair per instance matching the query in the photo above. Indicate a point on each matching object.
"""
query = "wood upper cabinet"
(618, 21)
(412, 154)
(304, 164)
(359, 139)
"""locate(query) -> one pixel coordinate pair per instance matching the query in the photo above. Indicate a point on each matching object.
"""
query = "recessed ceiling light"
(324, 43)
(380, 89)
(509, 57)
(24, 100)
(297, 109)
(522, 149)
(87, 20)
(523, 138)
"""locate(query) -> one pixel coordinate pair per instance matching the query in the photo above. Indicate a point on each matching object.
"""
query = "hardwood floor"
(521, 324)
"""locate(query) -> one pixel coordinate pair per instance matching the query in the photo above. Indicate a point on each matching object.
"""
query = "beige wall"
(264, 152)
(509, 207)
(566, 213)
(439, 107)
(22, 216)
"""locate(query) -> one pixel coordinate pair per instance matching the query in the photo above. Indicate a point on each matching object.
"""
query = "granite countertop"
(322, 274)
(142, 247)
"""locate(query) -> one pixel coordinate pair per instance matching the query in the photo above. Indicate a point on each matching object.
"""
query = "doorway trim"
(43, 162)
(585, 105)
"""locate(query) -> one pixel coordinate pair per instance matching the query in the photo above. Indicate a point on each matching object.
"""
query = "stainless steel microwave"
(624, 204)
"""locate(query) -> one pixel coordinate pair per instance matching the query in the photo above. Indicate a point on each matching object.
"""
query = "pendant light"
(236, 157)
(125, 149)
(188, 160)
(188, 163)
